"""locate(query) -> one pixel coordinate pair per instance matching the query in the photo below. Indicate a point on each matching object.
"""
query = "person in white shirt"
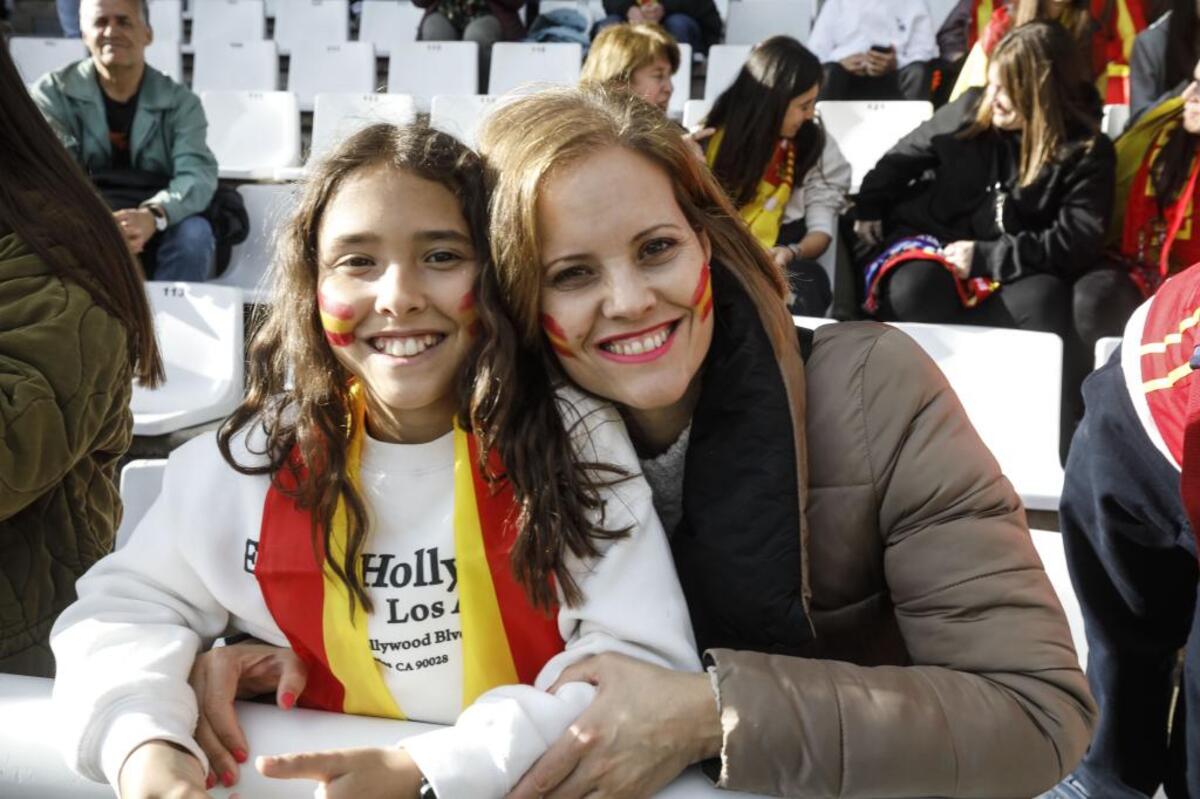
(344, 511)
(875, 49)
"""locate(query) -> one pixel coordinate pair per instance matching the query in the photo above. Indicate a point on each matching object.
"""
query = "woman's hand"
(645, 726)
(161, 770)
(694, 141)
(235, 672)
(961, 254)
(782, 256)
(869, 230)
(367, 773)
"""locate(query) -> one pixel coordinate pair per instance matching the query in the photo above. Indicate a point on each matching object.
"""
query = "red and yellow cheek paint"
(702, 298)
(338, 320)
(469, 317)
(557, 336)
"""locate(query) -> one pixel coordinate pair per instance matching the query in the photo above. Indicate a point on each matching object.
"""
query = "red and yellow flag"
(505, 640)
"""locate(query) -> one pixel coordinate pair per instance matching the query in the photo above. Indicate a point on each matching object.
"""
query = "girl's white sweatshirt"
(185, 577)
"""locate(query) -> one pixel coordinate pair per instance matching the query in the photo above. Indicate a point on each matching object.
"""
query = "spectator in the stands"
(1163, 57)
(482, 21)
(692, 22)
(771, 155)
(875, 49)
(640, 57)
(68, 18)
(75, 330)
(141, 136)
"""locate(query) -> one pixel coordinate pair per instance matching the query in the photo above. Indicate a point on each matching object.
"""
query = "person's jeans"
(68, 18)
(912, 82)
(185, 251)
(685, 29)
(1132, 559)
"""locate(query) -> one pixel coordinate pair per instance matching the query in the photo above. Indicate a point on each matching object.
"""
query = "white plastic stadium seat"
(348, 67)
(253, 134)
(681, 82)
(385, 23)
(308, 24)
(337, 116)
(1114, 120)
(267, 205)
(141, 482)
(235, 66)
(694, 112)
(36, 56)
(866, 129)
(1105, 348)
(199, 329)
(1049, 547)
(1010, 384)
(166, 18)
(165, 56)
(751, 22)
(939, 10)
(461, 115)
(228, 21)
(812, 322)
(30, 736)
(523, 64)
(425, 69)
(724, 63)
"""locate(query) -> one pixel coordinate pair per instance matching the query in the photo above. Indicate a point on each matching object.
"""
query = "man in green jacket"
(113, 112)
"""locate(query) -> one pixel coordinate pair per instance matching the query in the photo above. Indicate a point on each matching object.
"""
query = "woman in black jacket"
(993, 209)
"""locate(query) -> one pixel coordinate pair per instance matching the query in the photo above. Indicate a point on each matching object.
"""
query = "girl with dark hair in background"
(347, 464)
(787, 178)
(1164, 56)
(75, 331)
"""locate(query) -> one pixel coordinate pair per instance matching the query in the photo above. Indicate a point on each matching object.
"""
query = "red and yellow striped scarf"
(505, 639)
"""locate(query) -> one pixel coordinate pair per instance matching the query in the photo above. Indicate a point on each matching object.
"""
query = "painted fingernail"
(227, 779)
(210, 781)
(287, 700)
(239, 755)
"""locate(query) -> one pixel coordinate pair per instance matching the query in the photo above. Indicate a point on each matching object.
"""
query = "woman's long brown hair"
(47, 201)
(514, 407)
(297, 392)
(1039, 70)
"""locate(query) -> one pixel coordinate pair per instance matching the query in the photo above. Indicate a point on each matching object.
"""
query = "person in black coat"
(692, 22)
(1010, 188)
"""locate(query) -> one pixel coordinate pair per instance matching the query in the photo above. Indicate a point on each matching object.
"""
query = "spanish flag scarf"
(505, 640)
(764, 214)
(1156, 240)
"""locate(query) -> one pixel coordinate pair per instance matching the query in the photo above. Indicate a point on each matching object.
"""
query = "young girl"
(787, 178)
(343, 512)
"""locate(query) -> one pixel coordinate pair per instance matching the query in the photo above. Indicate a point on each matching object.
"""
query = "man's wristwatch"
(425, 790)
(160, 217)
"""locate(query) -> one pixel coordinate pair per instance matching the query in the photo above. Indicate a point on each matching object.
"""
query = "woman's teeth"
(405, 347)
(636, 346)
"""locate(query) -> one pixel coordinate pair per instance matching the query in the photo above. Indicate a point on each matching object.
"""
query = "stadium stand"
(461, 115)
(346, 67)
(199, 329)
(724, 63)
(266, 204)
(386, 23)
(166, 56)
(311, 24)
(751, 21)
(866, 129)
(1105, 347)
(339, 115)
(1116, 117)
(166, 18)
(524, 66)
(235, 66)
(681, 82)
(228, 21)
(425, 69)
(141, 482)
(35, 56)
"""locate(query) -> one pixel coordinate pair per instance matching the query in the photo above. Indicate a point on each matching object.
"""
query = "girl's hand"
(366, 773)
(645, 726)
(782, 256)
(961, 254)
(235, 672)
(694, 144)
(161, 770)
(869, 230)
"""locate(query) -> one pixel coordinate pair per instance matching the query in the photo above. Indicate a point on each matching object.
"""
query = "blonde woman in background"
(639, 57)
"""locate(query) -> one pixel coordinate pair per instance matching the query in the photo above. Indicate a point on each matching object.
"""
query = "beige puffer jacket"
(942, 663)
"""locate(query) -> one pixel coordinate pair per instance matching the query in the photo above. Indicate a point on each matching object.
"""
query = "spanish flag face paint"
(557, 336)
(338, 319)
(702, 297)
(469, 316)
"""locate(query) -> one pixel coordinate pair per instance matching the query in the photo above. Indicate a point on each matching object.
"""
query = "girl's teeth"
(405, 347)
(640, 345)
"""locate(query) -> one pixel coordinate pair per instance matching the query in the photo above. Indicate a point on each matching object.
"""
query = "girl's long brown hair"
(297, 392)
(47, 201)
(513, 406)
(1043, 78)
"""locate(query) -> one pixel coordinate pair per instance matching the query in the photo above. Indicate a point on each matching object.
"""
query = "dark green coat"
(65, 384)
